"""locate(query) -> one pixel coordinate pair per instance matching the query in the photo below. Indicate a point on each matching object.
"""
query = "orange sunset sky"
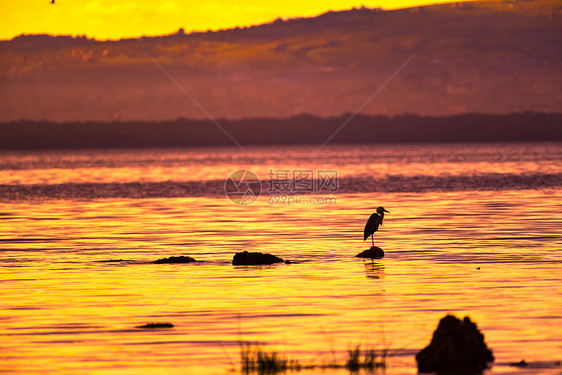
(115, 19)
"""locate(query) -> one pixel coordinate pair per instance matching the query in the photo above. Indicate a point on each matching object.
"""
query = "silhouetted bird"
(52, 1)
(373, 224)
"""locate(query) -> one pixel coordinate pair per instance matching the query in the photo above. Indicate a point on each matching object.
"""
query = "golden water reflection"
(159, 165)
(493, 256)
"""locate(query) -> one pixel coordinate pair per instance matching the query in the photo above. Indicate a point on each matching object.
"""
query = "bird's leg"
(372, 240)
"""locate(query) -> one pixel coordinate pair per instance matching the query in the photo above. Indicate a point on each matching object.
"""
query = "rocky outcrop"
(179, 259)
(374, 252)
(251, 259)
(456, 346)
(156, 325)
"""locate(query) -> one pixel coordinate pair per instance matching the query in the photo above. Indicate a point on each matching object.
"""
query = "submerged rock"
(456, 346)
(521, 363)
(251, 259)
(537, 364)
(374, 252)
(156, 325)
(180, 259)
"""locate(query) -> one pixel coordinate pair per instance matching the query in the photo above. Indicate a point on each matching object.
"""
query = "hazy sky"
(114, 19)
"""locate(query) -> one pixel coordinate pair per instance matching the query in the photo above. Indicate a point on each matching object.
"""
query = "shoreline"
(296, 130)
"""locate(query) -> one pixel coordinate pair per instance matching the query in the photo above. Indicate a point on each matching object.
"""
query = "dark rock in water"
(251, 259)
(180, 259)
(456, 346)
(521, 363)
(156, 325)
(535, 365)
(374, 252)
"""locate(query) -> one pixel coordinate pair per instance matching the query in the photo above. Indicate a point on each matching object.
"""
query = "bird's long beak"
(385, 210)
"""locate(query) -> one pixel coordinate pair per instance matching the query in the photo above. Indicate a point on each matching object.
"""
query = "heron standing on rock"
(373, 224)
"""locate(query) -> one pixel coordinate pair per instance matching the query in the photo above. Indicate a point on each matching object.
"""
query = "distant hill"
(300, 129)
(486, 57)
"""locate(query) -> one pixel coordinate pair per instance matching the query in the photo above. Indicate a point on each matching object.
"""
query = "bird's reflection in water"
(374, 270)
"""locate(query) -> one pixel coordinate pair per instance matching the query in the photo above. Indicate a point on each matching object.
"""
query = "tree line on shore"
(300, 129)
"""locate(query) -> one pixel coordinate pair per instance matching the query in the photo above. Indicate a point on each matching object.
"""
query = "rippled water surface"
(488, 247)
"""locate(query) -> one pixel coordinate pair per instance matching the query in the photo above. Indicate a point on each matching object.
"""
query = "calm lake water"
(473, 230)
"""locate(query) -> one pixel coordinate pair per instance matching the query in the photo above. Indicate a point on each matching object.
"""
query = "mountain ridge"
(490, 57)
